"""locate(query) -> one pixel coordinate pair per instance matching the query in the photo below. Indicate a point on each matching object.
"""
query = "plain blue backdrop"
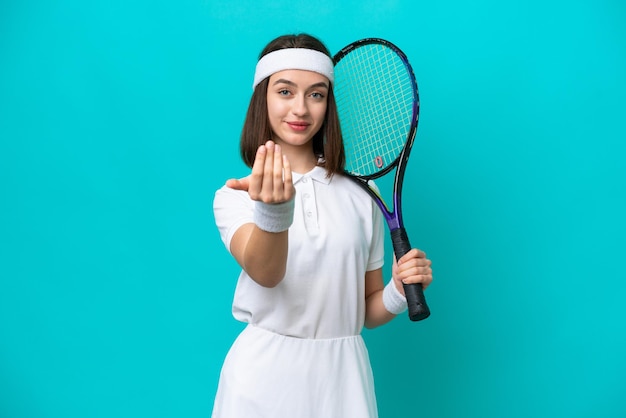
(119, 120)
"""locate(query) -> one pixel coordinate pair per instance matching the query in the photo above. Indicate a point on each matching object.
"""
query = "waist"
(261, 331)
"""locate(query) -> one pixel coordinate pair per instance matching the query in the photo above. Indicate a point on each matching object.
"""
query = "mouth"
(298, 126)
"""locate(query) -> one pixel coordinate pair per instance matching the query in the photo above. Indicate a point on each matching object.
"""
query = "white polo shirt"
(336, 237)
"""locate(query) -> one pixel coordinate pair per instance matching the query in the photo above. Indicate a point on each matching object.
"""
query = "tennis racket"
(378, 104)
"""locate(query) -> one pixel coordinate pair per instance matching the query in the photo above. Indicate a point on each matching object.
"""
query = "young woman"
(311, 275)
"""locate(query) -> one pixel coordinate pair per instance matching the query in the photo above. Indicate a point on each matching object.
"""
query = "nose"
(299, 106)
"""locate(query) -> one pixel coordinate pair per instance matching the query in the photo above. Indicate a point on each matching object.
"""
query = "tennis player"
(310, 243)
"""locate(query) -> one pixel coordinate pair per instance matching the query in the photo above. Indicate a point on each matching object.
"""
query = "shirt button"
(304, 180)
(309, 214)
(306, 195)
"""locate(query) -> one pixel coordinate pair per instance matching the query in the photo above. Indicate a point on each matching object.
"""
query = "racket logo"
(378, 161)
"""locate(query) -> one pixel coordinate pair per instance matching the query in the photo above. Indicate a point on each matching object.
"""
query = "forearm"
(265, 256)
(375, 312)
(261, 247)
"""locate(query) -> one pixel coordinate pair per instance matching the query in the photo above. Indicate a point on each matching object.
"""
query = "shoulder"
(228, 202)
(231, 209)
(348, 190)
(351, 185)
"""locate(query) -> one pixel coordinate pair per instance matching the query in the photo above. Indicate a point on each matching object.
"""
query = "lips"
(298, 126)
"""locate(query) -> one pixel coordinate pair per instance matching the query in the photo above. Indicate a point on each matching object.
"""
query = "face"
(296, 106)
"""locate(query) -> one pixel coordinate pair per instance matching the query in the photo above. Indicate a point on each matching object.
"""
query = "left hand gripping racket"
(378, 106)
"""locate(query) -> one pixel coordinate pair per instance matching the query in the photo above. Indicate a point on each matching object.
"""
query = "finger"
(416, 262)
(238, 184)
(278, 181)
(268, 170)
(259, 160)
(405, 271)
(424, 279)
(414, 267)
(414, 253)
(288, 176)
(256, 178)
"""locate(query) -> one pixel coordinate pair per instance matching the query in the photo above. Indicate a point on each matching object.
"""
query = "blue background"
(119, 120)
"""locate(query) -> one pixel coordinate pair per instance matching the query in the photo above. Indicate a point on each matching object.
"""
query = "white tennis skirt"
(268, 375)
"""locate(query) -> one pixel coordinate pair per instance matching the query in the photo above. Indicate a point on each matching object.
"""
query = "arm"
(375, 312)
(263, 254)
(413, 267)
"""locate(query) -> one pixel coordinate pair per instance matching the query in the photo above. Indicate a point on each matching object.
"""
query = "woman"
(311, 275)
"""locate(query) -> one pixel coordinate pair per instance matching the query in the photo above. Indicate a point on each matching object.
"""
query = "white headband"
(293, 59)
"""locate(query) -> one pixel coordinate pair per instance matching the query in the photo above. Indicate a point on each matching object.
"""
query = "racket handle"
(418, 309)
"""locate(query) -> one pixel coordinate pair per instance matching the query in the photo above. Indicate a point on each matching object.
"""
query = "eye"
(317, 95)
(284, 92)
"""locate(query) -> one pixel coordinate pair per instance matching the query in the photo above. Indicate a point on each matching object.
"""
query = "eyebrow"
(291, 83)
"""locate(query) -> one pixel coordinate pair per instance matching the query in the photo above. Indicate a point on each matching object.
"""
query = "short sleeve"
(231, 209)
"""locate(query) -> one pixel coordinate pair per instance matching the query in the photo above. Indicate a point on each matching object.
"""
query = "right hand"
(271, 179)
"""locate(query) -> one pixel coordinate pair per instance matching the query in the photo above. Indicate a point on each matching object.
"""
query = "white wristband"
(394, 301)
(276, 217)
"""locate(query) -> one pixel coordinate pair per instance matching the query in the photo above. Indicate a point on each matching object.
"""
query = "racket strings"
(374, 93)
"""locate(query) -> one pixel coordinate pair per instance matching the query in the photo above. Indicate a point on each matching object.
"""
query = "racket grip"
(418, 309)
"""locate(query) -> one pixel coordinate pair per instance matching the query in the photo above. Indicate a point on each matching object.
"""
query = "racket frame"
(418, 309)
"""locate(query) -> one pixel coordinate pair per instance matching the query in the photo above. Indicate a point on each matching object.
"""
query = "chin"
(297, 140)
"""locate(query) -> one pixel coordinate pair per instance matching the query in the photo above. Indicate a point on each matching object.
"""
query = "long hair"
(327, 142)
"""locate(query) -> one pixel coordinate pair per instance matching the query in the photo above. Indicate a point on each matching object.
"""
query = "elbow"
(268, 279)
(270, 283)
(267, 270)
(371, 324)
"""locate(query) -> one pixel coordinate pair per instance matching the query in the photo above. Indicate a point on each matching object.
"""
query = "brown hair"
(327, 142)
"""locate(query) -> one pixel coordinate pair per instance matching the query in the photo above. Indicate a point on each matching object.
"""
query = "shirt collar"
(318, 174)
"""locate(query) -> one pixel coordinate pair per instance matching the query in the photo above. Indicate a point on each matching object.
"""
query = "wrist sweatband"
(276, 217)
(393, 300)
